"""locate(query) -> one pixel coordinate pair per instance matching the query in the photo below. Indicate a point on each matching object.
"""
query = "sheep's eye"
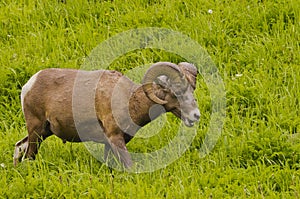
(178, 88)
(179, 91)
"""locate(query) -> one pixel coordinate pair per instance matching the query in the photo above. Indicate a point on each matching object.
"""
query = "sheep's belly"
(81, 131)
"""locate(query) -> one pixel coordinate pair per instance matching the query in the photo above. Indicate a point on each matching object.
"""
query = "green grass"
(255, 46)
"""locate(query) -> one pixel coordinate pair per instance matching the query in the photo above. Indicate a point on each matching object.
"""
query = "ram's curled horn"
(158, 69)
(190, 72)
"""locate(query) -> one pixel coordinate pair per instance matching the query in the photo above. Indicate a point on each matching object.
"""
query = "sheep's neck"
(143, 110)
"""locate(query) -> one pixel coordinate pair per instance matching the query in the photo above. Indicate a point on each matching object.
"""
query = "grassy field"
(255, 46)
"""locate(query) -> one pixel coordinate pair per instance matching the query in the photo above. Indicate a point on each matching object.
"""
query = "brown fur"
(48, 109)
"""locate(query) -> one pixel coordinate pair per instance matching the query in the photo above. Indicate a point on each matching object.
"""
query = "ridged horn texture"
(190, 72)
(158, 69)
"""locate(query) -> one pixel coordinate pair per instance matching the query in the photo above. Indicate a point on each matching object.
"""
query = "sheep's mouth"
(188, 122)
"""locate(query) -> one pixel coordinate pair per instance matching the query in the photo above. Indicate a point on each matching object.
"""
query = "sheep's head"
(173, 86)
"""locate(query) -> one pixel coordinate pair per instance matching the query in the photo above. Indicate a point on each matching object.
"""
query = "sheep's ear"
(163, 80)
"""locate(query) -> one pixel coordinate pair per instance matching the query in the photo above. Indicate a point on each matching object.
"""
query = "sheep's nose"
(197, 116)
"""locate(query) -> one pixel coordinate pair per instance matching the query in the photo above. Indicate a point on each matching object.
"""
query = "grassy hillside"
(254, 44)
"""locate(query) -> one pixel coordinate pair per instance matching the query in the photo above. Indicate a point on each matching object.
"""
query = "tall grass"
(255, 45)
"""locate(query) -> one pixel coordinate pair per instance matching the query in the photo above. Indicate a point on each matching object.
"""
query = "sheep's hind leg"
(20, 150)
(28, 146)
(35, 138)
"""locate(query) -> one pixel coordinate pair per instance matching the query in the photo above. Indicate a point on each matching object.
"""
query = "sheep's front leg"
(118, 147)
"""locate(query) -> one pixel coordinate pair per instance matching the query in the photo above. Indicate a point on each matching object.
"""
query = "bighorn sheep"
(48, 105)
